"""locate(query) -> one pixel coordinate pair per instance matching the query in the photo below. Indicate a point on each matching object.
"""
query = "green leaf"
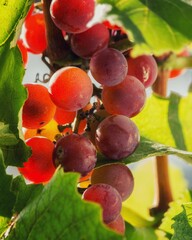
(11, 12)
(6, 137)
(25, 193)
(61, 213)
(155, 26)
(149, 148)
(174, 209)
(143, 233)
(7, 199)
(12, 98)
(183, 224)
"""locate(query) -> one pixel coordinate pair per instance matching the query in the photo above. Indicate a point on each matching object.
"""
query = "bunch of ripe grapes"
(84, 113)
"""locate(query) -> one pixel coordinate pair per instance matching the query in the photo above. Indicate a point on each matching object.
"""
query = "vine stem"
(163, 188)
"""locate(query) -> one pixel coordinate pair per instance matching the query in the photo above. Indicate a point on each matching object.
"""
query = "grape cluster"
(69, 122)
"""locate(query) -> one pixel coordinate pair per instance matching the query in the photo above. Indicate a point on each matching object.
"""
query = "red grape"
(63, 117)
(109, 67)
(118, 225)
(127, 98)
(38, 109)
(39, 168)
(70, 88)
(107, 197)
(35, 36)
(117, 175)
(72, 16)
(117, 137)
(144, 68)
(87, 43)
(75, 153)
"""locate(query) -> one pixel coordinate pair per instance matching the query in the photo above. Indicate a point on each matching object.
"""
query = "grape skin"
(127, 98)
(87, 43)
(107, 197)
(75, 153)
(117, 137)
(109, 67)
(35, 35)
(72, 16)
(117, 175)
(70, 88)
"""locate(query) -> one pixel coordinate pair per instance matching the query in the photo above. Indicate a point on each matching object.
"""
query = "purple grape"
(144, 68)
(109, 67)
(127, 98)
(87, 43)
(117, 175)
(117, 137)
(75, 153)
(109, 199)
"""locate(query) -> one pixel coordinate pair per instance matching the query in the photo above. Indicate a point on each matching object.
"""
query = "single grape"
(38, 109)
(35, 35)
(75, 153)
(87, 43)
(117, 137)
(63, 117)
(70, 88)
(117, 175)
(127, 98)
(144, 68)
(72, 16)
(109, 67)
(118, 225)
(39, 168)
(108, 198)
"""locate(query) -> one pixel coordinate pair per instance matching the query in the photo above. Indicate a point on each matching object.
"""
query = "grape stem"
(57, 47)
(163, 191)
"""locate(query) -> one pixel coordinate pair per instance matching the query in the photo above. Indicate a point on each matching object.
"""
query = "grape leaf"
(61, 213)
(148, 148)
(25, 193)
(155, 26)
(174, 209)
(12, 97)
(11, 12)
(7, 199)
(6, 137)
(183, 223)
